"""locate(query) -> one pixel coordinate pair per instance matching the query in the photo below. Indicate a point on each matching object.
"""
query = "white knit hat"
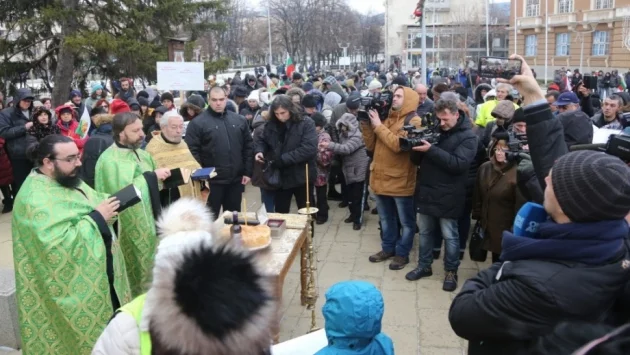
(254, 96)
(375, 84)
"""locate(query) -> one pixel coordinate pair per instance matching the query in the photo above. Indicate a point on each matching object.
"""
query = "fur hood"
(207, 296)
(348, 120)
(102, 118)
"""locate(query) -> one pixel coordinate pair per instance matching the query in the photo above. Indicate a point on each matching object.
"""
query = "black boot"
(8, 205)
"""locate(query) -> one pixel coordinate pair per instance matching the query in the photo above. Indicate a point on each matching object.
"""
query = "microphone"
(528, 219)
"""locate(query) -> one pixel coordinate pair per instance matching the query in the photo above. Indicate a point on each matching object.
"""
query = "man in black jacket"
(576, 266)
(443, 175)
(221, 139)
(577, 126)
(14, 122)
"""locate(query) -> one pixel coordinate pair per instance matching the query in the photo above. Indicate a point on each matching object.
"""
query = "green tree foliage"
(114, 38)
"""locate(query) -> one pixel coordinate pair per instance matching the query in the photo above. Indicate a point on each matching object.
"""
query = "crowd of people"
(493, 152)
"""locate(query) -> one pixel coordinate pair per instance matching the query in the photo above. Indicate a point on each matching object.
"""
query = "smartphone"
(590, 82)
(499, 67)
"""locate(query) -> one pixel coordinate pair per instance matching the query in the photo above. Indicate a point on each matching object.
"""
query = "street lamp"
(590, 28)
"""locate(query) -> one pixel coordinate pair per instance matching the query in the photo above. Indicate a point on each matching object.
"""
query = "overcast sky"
(369, 6)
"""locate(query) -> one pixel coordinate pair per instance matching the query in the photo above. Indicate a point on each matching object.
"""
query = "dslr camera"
(415, 136)
(380, 101)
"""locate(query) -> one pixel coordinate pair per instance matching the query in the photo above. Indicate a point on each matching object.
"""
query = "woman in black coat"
(289, 142)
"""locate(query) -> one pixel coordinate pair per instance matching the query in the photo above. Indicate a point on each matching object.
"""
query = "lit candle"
(307, 194)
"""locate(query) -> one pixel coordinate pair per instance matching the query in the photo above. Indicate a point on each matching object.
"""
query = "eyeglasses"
(68, 159)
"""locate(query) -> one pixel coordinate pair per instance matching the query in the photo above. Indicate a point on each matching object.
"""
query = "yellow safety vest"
(134, 309)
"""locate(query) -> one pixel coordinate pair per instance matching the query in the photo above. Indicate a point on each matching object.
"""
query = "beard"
(135, 145)
(71, 180)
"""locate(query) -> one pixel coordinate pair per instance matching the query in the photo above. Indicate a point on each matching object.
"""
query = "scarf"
(40, 131)
(592, 243)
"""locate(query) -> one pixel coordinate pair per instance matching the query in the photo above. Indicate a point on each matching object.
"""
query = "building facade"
(456, 33)
(588, 34)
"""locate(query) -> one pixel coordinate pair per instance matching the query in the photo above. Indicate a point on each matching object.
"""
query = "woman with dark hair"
(288, 143)
(42, 124)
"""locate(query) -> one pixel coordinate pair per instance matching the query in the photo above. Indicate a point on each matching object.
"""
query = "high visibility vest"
(134, 309)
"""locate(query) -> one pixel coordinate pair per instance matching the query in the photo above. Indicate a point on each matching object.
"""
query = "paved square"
(415, 312)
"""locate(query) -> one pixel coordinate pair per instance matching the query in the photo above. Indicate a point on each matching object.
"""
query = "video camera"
(617, 145)
(516, 145)
(415, 136)
(380, 101)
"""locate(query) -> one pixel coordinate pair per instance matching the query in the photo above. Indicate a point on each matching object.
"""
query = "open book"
(128, 197)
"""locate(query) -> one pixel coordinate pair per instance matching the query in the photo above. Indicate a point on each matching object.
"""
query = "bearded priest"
(122, 164)
(69, 270)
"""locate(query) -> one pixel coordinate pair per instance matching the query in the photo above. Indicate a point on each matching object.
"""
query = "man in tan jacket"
(393, 176)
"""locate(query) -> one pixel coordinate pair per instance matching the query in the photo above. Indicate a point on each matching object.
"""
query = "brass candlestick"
(311, 266)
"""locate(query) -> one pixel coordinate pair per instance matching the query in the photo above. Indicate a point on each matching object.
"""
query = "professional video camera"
(516, 146)
(380, 101)
(415, 136)
(617, 145)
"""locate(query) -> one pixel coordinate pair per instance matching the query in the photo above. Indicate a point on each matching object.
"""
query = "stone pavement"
(416, 313)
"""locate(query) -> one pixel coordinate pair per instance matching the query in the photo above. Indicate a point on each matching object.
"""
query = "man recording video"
(444, 167)
(571, 261)
(393, 176)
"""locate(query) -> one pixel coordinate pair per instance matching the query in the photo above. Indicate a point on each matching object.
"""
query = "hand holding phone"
(499, 67)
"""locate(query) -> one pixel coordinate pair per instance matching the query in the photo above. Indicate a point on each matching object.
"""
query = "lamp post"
(546, 37)
(423, 72)
(269, 28)
(580, 37)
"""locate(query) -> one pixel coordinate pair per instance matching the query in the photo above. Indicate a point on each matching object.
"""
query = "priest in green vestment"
(122, 164)
(69, 270)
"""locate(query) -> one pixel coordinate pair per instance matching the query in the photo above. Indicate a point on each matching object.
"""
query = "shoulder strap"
(134, 309)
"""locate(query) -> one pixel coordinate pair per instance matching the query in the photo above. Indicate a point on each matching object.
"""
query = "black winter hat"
(591, 186)
(142, 93)
(297, 76)
(197, 100)
(240, 92)
(155, 103)
(143, 101)
(399, 80)
(319, 119)
(354, 100)
(308, 101)
(519, 115)
(167, 96)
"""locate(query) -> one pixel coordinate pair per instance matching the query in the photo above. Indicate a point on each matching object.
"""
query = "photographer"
(444, 170)
(393, 176)
(573, 266)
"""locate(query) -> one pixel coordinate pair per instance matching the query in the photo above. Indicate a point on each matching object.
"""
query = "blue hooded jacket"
(353, 314)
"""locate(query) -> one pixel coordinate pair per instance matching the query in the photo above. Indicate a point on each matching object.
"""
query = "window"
(532, 8)
(531, 45)
(562, 44)
(565, 6)
(603, 4)
(601, 42)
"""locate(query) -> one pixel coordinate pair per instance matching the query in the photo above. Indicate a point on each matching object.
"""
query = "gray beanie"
(591, 186)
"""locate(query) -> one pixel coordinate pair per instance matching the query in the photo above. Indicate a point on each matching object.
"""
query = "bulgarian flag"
(289, 66)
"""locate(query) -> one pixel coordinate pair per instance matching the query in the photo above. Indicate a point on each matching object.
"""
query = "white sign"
(180, 76)
(344, 60)
(438, 5)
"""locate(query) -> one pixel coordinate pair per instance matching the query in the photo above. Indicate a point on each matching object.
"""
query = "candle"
(245, 210)
(307, 194)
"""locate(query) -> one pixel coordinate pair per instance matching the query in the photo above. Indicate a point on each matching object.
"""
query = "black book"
(203, 174)
(128, 197)
(178, 177)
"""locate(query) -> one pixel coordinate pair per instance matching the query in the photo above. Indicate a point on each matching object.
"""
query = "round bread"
(252, 236)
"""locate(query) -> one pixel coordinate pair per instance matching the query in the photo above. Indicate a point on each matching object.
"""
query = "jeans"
(267, 198)
(429, 226)
(390, 209)
(463, 227)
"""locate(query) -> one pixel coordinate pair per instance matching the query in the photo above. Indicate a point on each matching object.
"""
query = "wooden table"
(280, 257)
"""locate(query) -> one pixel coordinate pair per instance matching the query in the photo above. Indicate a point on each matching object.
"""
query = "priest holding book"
(169, 151)
(69, 270)
(122, 164)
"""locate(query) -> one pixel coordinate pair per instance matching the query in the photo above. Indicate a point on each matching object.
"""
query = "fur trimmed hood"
(207, 296)
(102, 118)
